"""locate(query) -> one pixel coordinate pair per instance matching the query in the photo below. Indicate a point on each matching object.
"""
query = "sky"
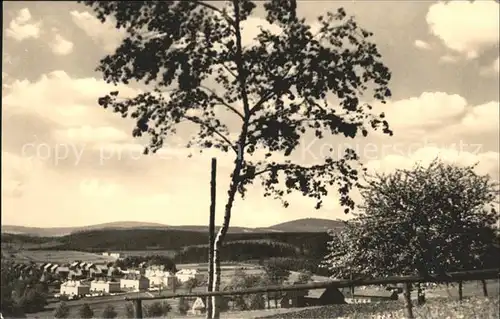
(68, 162)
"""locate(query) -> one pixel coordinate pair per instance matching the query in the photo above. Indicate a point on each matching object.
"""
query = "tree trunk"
(460, 291)
(235, 177)
(485, 288)
(211, 235)
(240, 150)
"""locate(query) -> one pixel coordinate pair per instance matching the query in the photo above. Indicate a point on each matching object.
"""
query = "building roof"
(187, 272)
(315, 293)
(370, 292)
(73, 283)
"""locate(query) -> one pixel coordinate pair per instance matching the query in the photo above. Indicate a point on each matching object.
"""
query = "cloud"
(491, 70)
(422, 45)
(104, 34)
(92, 187)
(20, 29)
(61, 46)
(449, 59)
(16, 173)
(428, 109)
(89, 134)
(482, 118)
(58, 98)
(465, 27)
(487, 161)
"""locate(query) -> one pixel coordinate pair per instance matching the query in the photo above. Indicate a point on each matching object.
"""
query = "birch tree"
(287, 85)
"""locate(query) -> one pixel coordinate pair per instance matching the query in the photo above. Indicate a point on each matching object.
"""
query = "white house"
(134, 283)
(105, 286)
(158, 277)
(74, 288)
(186, 274)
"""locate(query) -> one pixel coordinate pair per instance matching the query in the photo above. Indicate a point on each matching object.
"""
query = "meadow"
(58, 256)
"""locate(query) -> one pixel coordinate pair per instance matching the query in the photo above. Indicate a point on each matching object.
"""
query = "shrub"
(62, 311)
(85, 311)
(32, 301)
(157, 309)
(109, 312)
(183, 306)
(129, 310)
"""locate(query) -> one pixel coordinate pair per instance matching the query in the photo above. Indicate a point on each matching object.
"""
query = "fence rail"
(406, 280)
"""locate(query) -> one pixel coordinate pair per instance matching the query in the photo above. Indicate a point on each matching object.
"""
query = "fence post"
(485, 288)
(138, 308)
(460, 291)
(408, 305)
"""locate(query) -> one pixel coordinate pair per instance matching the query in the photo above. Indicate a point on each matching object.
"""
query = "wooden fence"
(406, 280)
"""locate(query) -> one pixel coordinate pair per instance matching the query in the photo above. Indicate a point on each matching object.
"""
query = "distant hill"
(300, 225)
(62, 231)
(309, 225)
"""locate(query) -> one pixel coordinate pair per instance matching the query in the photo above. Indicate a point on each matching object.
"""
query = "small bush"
(157, 309)
(62, 311)
(85, 311)
(183, 306)
(129, 310)
(109, 312)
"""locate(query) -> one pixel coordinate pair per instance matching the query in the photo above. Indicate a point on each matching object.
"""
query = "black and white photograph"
(250, 159)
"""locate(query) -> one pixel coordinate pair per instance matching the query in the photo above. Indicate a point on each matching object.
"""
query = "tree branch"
(196, 120)
(224, 14)
(270, 94)
(223, 102)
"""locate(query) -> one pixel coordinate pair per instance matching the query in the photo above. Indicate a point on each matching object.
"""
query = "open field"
(58, 256)
(146, 253)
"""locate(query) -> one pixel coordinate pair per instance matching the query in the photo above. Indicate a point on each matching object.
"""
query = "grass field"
(146, 253)
(58, 256)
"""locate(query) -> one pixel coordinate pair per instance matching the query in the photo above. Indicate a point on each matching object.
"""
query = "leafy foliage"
(21, 290)
(157, 309)
(109, 312)
(189, 51)
(62, 311)
(86, 312)
(135, 261)
(242, 280)
(428, 220)
(191, 283)
(239, 251)
(183, 306)
(275, 272)
(129, 310)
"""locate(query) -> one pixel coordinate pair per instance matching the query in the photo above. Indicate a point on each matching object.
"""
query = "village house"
(63, 271)
(74, 288)
(159, 277)
(105, 286)
(114, 255)
(290, 299)
(186, 274)
(322, 297)
(133, 282)
(99, 271)
(369, 295)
